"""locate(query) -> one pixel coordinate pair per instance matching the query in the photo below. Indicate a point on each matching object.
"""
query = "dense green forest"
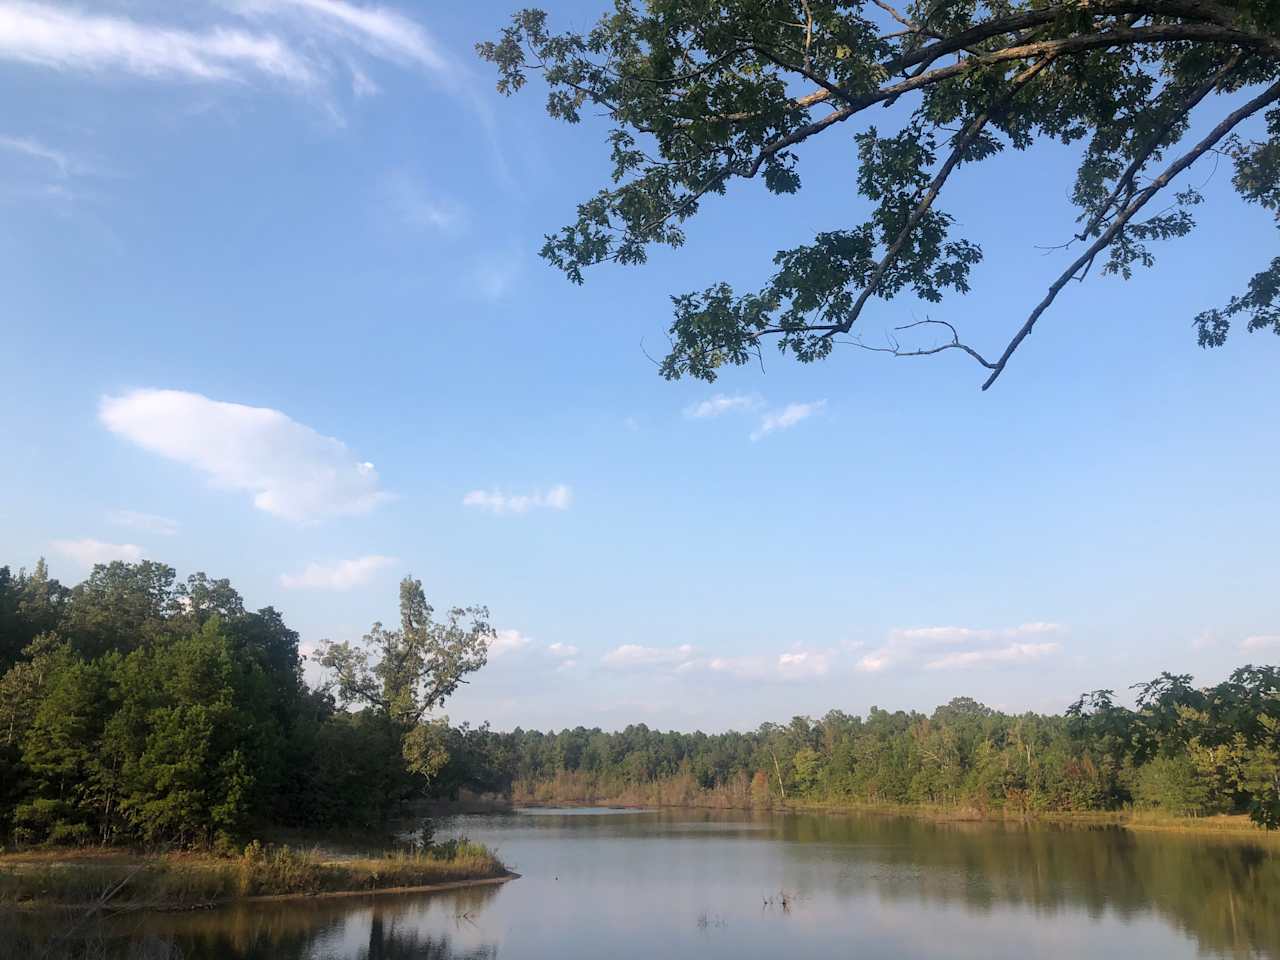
(1183, 750)
(137, 708)
(134, 708)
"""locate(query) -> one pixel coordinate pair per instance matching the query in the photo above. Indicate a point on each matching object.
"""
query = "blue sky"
(272, 310)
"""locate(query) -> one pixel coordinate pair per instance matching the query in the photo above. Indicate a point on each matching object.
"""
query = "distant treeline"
(134, 708)
(1183, 750)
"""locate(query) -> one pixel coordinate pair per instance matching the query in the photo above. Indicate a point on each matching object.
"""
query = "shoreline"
(115, 881)
(1235, 827)
(160, 906)
(377, 891)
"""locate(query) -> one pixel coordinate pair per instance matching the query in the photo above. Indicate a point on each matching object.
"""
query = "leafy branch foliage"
(700, 93)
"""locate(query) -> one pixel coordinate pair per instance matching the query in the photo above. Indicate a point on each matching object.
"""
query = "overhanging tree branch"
(1263, 100)
(716, 94)
(1125, 183)
(962, 144)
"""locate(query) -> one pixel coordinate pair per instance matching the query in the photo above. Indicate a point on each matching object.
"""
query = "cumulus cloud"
(786, 418)
(873, 662)
(69, 39)
(949, 647)
(803, 663)
(558, 497)
(1269, 641)
(507, 641)
(144, 521)
(940, 634)
(1205, 640)
(88, 551)
(636, 655)
(523, 652)
(290, 470)
(792, 666)
(721, 403)
(1010, 653)
(343, 575)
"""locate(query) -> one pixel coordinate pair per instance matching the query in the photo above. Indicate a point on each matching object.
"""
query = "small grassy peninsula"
(114, 879)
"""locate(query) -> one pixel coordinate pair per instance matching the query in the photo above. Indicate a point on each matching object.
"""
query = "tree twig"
(1264, 99)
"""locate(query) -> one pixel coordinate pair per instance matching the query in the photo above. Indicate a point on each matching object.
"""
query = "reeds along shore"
(115, 880)
(575, 788)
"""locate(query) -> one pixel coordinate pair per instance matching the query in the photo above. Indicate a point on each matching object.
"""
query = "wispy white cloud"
(291, 470)
(786, 418)
(636, 655)
(144, 521)
(379, 31)
(344, 575)
(721, 403)
(386, 35)
(362, 85)
(88, 551)
(30, 147)
(67, 39)
(947, 647)
(558, 497)
(492, 278)
(415, 206)
(562, 650)
(308, 45)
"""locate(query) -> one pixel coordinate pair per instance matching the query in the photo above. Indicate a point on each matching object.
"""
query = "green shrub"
(1172, 785)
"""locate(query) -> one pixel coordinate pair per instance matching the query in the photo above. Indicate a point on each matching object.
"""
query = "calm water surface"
(702, 884)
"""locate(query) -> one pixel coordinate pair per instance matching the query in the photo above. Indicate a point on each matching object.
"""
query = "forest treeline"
(1183, 750)
(138, 708)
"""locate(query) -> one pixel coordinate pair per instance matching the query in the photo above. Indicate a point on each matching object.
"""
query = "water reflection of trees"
(383, 928)
(1225, 895)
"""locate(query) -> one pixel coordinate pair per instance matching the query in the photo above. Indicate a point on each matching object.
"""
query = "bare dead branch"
(911, 25)
(953, 344)
(1264, 99)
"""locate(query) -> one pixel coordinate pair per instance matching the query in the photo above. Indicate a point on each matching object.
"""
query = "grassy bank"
(180, 881)
(681, 792)
(1234, 826)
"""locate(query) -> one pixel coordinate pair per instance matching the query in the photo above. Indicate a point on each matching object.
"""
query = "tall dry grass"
(180, 881)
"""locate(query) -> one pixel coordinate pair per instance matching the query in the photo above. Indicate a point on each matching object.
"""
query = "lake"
(713, 884)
